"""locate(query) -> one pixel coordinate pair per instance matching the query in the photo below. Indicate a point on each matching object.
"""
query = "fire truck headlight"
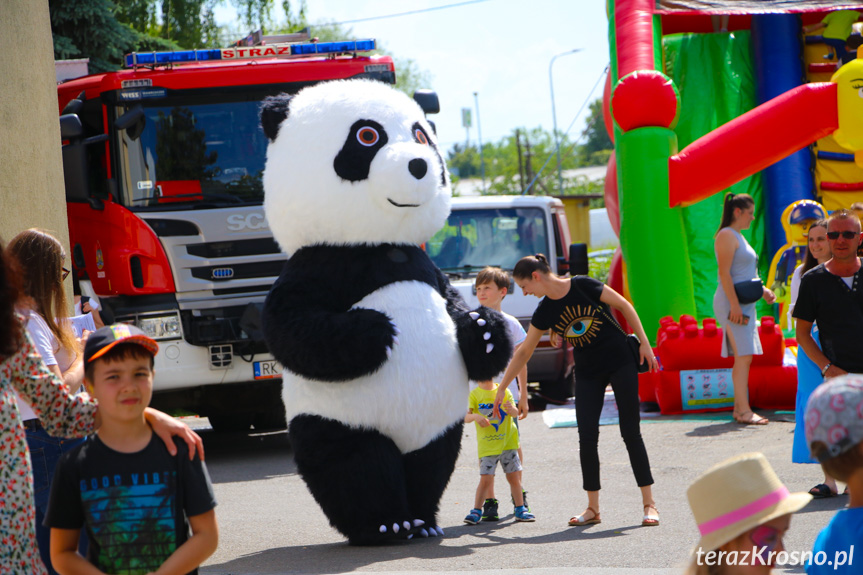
(161, 327)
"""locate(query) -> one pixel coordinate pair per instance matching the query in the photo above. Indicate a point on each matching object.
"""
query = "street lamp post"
(479, 138)
(554, 117)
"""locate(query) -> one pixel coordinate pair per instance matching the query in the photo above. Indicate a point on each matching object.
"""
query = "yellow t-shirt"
(498, 437)
(839, 23)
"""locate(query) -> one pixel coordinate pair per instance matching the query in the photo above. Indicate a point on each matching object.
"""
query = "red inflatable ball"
(645, 98)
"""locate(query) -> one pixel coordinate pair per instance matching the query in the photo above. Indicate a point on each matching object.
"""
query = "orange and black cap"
(104, 339)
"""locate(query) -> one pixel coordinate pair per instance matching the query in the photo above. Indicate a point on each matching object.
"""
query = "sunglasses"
(65, 273)
(766, 539)
(846, 234)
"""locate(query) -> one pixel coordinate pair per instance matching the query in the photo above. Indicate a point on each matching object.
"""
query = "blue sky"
(498, 48)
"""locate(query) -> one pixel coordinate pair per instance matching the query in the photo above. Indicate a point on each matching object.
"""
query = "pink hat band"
(744, 512)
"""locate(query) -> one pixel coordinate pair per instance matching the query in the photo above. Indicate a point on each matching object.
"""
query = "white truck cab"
(498, 231)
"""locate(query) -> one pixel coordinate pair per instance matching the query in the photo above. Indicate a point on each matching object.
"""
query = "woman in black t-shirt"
(578, 309)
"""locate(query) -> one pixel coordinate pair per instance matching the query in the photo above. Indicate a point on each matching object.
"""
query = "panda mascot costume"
(377, 346)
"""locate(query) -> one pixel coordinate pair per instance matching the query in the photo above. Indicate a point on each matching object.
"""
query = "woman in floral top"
(61, 414)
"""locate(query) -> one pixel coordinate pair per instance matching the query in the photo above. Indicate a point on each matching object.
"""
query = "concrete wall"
(31, 167)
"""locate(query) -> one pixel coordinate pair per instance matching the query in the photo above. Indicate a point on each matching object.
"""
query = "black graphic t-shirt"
(577, 317)
(134, 506)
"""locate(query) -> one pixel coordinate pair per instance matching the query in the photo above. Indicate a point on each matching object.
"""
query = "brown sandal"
(753, 419)
(579, 520)
(650, 520)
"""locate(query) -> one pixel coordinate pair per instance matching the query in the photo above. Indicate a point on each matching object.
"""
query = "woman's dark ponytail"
(732, 201)
(527, 265)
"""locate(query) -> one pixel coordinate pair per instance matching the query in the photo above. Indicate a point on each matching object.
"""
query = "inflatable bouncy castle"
(702, 99)
(694, 378)
(695, 111)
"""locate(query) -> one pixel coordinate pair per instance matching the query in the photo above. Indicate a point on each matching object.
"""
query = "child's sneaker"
(473, 517)
(522, 514)
(489, 510)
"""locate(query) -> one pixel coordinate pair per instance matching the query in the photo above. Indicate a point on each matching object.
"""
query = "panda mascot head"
(371, 157)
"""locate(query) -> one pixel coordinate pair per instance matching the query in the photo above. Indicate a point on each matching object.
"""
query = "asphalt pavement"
(269, 522)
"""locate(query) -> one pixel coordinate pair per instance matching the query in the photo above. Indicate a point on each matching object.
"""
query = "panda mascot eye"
(368, 136)
(421, 137)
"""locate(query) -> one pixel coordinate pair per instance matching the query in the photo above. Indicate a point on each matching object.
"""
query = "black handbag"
(632, 341)
(749, 291)
(635, 345)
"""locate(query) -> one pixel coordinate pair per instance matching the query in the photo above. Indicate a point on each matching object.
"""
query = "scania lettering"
(163, 164)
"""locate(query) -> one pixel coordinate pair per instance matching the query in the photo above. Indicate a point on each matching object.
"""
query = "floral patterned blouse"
(62, 415)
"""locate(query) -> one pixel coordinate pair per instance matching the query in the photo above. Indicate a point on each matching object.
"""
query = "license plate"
(270, 369)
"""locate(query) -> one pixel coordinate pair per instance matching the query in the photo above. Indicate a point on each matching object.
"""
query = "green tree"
(595, 135)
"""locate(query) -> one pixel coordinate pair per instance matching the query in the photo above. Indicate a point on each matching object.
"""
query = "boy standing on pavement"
(136, 501)
(497, 440)
(834, 431)
(492, 285)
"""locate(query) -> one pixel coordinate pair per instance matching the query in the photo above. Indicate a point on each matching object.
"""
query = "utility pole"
(528, 167)
(554, 117)
(479, 137)
(520, 165)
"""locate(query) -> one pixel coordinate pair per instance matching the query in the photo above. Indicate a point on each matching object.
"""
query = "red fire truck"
(163, 165)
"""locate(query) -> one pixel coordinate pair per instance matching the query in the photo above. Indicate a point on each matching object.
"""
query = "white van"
(498, 231)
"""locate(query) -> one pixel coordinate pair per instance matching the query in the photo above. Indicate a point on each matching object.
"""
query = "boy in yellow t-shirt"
(497, 440)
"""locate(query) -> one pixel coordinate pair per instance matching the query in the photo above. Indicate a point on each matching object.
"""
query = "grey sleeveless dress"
(743, 267)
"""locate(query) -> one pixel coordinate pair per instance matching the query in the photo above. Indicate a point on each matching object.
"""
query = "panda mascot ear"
(274, 110)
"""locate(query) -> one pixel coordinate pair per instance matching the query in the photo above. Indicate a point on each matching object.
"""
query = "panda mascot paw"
(484, 342)
(376, 344)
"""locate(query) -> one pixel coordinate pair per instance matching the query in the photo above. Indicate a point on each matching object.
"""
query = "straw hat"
(737, 495)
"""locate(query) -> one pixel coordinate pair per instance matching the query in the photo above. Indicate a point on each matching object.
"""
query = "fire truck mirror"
(133, 121)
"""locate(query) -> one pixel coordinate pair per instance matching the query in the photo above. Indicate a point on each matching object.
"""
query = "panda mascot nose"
(418, 168)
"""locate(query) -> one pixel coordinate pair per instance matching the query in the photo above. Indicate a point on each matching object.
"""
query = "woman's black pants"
(590, 383)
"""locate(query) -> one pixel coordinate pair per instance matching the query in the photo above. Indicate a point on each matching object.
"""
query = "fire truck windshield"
(195, 152)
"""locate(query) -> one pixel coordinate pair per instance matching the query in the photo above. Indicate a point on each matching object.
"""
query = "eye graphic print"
(367, 136)
(421, 137)
(578, 325)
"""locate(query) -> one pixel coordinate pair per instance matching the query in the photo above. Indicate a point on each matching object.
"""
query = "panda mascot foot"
(378, 347)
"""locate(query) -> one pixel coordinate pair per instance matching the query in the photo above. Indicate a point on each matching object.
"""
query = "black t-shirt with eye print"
(577, 317)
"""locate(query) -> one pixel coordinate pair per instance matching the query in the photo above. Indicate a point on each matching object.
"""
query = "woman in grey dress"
(737, 262)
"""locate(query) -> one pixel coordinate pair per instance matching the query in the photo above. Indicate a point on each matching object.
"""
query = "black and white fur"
(377, 346)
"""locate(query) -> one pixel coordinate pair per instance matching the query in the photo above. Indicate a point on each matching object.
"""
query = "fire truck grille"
(233, 249)
(238, 271)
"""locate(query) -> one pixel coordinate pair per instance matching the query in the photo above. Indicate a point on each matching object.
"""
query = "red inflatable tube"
(633, 34)
(752, 141)
(612, 204)
(840, 187)
(606, 108)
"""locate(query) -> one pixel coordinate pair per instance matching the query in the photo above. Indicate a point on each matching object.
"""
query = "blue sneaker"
(473, 517)
(522, 514)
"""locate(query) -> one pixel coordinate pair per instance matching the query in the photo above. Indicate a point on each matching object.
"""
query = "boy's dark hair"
(118, 353)
(843, 465)
(492, 275)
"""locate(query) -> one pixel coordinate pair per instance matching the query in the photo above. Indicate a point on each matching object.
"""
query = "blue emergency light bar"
(245, 53)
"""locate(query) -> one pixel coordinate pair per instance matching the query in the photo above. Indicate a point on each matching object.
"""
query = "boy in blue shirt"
(834, 431)
(136, 501)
